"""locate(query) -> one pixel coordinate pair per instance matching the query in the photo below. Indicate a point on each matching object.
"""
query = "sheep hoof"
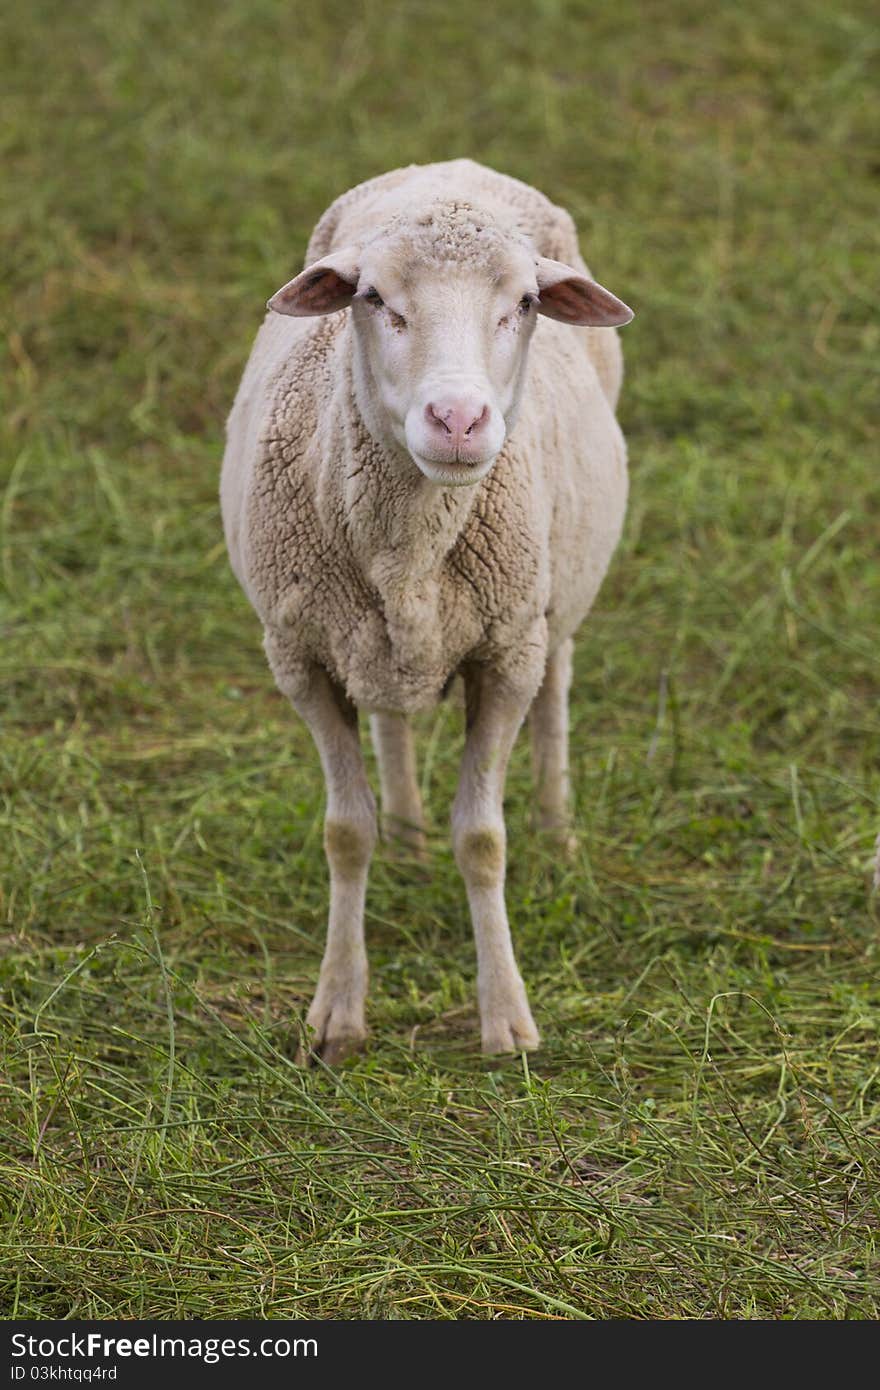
(331, 1051)
(506, 1035)
(335, 1030)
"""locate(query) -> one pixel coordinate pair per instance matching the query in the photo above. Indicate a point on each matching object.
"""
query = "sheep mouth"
(452, 472)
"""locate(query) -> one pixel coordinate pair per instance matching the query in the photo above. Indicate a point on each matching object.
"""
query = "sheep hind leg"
(402, 818)
(336, 1019)
(548, 721)
(494, 716)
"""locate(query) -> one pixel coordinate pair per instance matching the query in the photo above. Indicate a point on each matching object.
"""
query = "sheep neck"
(400, 526)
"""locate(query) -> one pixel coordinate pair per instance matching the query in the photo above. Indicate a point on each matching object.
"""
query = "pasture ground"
(697, 1137)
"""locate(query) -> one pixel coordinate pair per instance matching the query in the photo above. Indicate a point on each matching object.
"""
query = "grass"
(698, 1136)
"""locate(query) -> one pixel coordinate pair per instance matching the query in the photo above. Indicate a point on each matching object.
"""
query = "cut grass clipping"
(697, 1137)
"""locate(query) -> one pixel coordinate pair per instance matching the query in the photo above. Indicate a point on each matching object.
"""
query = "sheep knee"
(480, 854)
(349, 844)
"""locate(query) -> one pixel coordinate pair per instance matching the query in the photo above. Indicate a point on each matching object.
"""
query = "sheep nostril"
(435, 419)
(480, 420)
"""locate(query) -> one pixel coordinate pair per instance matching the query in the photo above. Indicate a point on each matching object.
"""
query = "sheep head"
(444, 307)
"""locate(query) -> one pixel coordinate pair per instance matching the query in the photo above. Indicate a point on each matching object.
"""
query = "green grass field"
(698, 1136)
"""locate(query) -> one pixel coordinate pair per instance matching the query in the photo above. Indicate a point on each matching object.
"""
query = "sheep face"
(441, 352)
(443, 312)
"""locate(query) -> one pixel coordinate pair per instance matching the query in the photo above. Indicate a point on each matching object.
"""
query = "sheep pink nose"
(458, 420)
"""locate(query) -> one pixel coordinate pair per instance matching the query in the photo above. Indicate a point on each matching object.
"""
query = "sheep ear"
(322, 288)
(569, 296)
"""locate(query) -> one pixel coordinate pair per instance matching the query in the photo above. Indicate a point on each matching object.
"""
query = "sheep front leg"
(494, 715)
(402, 819)
(337, 1012)
(548, 719)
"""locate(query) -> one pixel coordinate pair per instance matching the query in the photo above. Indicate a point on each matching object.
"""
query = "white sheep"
(392, 529)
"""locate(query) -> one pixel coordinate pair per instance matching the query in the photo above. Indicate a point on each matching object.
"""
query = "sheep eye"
(373, 297)
(522, 308)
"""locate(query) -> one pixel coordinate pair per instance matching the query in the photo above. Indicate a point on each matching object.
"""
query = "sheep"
(403, 504)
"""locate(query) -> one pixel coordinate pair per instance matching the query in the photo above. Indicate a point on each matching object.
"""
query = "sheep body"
(375, 584)
(320, 529)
